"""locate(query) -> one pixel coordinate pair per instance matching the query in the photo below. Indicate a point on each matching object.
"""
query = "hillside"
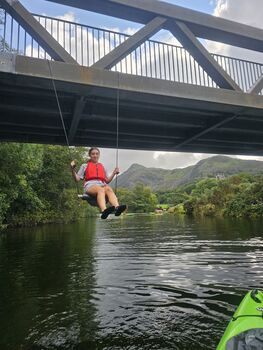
(158, 178)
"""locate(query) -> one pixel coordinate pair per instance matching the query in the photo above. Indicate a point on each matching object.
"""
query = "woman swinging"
(96, 181)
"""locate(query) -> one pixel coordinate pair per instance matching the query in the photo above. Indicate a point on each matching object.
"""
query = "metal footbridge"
(172, 97)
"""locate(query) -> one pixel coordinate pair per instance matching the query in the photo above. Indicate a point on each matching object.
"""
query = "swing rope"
(64, 127)
(117, 131)
(61, 116)
(59, 107)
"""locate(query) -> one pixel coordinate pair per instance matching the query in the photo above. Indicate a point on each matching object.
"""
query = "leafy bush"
(237, 196)
(139, 200)
(37, 186)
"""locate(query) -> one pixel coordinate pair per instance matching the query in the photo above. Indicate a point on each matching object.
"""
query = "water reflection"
(47, 275)
(144, 282)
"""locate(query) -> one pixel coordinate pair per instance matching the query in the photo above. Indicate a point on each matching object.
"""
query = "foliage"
(248, 201)
(139, 200)
(237, 196)
(178, 209)
(3, 209)
(163, 206)
(37, 186)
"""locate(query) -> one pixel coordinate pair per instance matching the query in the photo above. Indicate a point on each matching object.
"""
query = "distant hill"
(158, 178)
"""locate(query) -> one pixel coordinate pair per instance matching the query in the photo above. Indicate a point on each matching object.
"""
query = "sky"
(244, 11)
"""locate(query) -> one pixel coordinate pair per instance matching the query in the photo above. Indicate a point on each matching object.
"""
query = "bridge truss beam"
(202, 25)
(204, 132)
(134, 41)
(78, 110)
(36, 30)
(202, 56)
(257, 87)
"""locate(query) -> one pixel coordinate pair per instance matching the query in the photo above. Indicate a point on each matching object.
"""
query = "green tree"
(37, 186)
(140, 199)
(238, 195)
(18, 175)
(143, 200)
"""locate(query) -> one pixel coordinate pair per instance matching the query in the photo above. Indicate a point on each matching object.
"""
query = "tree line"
(240, 195)
(37, 187)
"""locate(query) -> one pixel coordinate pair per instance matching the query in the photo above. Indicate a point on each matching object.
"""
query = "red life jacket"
(95, 171)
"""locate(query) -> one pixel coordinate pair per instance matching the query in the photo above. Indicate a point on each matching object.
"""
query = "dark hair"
(92, 149)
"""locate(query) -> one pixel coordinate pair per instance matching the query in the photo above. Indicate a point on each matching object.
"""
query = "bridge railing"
(152, 59)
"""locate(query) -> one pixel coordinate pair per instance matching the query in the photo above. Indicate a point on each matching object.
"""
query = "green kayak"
(245, 330)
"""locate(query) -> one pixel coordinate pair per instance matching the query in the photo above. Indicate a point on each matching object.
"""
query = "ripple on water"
(134, 283)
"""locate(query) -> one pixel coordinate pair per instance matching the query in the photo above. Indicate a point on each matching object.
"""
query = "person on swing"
(96, 180)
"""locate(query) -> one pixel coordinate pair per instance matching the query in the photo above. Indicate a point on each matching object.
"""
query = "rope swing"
(58, 104)
(61, 117)
(91, 200)
(117, 131)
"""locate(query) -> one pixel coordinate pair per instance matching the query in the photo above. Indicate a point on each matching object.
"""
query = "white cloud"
(69, 16)
(243, 11)
(221, 7)
(129, 31)
(157, 154)
(165, 160)
(250, 157)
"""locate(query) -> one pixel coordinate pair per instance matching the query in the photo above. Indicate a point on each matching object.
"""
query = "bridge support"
(201, 24)
(257, 87)
(116, 55)
(202, 56)
(78, 110)
(205, 131)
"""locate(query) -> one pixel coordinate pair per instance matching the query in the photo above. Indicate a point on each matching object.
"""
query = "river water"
(137, 282)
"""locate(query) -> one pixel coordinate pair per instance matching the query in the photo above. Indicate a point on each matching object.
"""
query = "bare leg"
(99, 192)
(111, 196)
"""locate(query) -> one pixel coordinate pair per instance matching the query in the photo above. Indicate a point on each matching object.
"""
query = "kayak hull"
(246, 326)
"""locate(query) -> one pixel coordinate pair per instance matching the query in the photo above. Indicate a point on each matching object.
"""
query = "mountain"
(158, 178)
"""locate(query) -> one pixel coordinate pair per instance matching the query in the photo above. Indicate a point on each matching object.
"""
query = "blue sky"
(52, 9)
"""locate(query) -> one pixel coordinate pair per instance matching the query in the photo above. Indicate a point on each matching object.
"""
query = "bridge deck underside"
(148, 119)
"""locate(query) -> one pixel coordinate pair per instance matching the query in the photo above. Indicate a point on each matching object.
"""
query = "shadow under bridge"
(172, 98)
